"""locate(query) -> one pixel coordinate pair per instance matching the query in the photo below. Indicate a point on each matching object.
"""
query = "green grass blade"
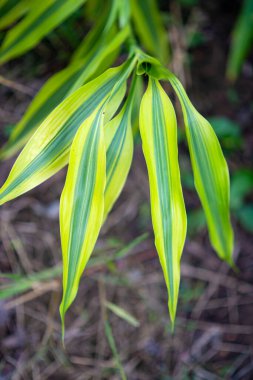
(24, 283)
(112, 344)
(21, 283)
(123, 314)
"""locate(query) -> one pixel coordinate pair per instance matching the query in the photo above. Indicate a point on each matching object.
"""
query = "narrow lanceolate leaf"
(159, 138)
(116, 355)
(102, 30)
(57, 88)
(82, 204)
(148, 22)
(48, 149)
(41, 20)
(119, 151)
(242, 40)
(122, 313)
(210, 174)
(12, 10)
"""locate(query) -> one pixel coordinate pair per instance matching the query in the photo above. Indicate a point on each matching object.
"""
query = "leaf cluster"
(83, 117)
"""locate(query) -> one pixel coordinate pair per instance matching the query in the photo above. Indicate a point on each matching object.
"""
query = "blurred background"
(123, 284)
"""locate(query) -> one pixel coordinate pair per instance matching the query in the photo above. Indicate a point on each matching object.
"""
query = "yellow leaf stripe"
(159, 139)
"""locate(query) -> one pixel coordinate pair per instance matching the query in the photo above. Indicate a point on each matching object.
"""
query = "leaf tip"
(62, 314)
(172, 313)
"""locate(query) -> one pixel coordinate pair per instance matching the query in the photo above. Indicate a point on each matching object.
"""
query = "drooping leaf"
(41, 20)
(58, 87)
(48, 149)
(211, 174)
(242, 40)
(82, 204)
(159, 138)
(150, 29)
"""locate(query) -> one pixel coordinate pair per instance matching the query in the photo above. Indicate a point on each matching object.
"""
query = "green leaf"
(150, 29)
(12, 10)
(100, 34)
(122, 313)
(21, 284)
(242, 39)
(48, 149)
(41, 20)
(124, 10)
(112, 344)
(159, 138)
(211, 175)
(82, 204)
(93, 8)
(60, 86)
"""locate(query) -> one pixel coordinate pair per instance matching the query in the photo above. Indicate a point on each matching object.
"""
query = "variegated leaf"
(48, 149)
(82, 204)
(210, 169)
(159, 138)
(58, 87)
(211, 174)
